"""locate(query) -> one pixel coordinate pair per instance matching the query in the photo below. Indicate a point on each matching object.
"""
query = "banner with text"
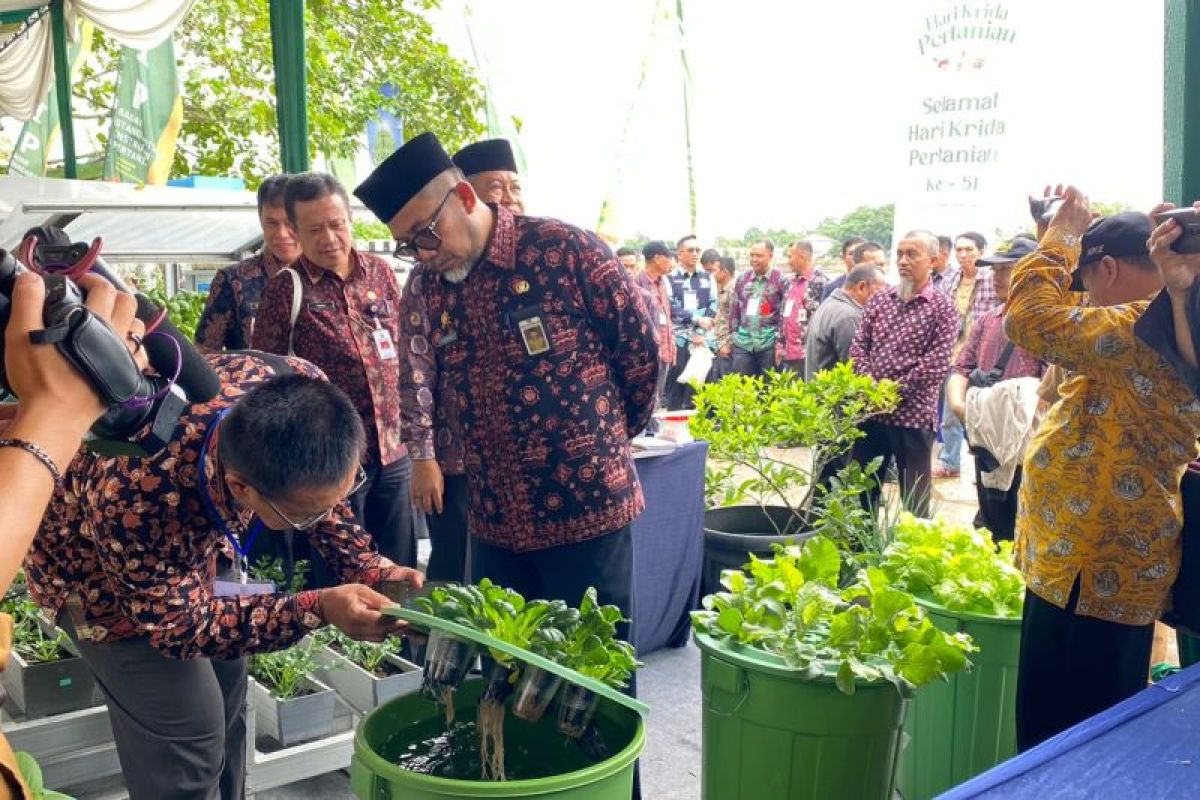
(146, 117)
(960, 127)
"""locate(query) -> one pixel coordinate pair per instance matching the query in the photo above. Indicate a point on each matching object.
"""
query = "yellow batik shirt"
(1100, 497)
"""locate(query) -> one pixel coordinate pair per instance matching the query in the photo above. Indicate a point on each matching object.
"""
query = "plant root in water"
(445, 697)
(491, 740)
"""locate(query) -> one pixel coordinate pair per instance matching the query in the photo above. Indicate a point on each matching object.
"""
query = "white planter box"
(360, 688)
(298, 719)
(51, 687)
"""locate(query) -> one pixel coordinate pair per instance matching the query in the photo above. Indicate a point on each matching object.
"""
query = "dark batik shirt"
(336, 331)
(131, 537)
(548, 460)
(908, 342)
(800, 300)
(232, 304)
(430, 424)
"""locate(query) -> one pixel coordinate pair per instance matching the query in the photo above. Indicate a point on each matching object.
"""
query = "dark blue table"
(1146, 747)
(668, 547)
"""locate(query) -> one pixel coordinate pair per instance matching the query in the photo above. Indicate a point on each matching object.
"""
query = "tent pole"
(1181, 104)
(287, 42)
(62, 82)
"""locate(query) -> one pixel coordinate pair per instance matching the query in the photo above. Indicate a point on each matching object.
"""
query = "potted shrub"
(43, 676)
(805, 683)
(290, 705)
(966, 583)
(756, 497)
(364, 674)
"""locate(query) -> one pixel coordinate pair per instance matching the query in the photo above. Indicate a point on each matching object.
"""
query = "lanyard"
(211, 507)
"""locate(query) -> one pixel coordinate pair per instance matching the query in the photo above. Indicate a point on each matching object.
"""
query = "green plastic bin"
(769, 734)
(959, 728)
(373, 777)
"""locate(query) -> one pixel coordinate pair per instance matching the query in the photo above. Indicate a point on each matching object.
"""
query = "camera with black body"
(1043, 209)
(143, 410)
(984, 379)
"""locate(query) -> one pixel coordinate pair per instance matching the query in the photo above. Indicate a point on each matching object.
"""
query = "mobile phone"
(1189, 221)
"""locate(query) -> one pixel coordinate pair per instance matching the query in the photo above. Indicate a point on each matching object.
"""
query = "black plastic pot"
(447, 661)
(575, 709)
(499, 683)
(535, 691)
(733, 532)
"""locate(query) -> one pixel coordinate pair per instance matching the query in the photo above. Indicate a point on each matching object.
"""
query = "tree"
(873, 223)
(353, 48)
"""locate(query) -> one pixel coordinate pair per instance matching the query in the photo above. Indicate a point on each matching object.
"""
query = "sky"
(800, 109)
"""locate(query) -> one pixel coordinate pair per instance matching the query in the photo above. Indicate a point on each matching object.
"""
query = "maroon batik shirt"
(429, 420)
(908, 342)
(132, 538)
(336, 331)
(800, 301)
(553, 350)
(227, 322)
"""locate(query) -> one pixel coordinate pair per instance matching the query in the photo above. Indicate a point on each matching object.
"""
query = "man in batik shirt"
(227, 322)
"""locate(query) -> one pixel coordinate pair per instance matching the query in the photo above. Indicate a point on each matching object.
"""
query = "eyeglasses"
(359, 480)
(426, 238)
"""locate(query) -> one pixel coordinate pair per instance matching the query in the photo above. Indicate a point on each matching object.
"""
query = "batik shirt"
(908, 342)
(800, 301)
(658, 303)
(337, 330)
(1100, 499)
(227, 322)
(693, 297)
(551, 345)
(754, 313)
(132, 538)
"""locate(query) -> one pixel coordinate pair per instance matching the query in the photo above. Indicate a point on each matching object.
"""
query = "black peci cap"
(1010, 252)
(490, 155)
(403, 175)
(1118, 236)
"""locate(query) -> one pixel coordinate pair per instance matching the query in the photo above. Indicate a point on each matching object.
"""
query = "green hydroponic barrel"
(962, 727)
(374, 777)
(770, 734)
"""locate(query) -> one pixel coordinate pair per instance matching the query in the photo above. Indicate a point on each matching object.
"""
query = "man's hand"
(427, 485)
(726, 351)
(1074, 215)
(1178, 269)
(354, 609)
(705, 322)
(399, 583)
(697, 340)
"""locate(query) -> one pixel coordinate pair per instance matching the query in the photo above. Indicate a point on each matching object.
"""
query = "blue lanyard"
(211, 507)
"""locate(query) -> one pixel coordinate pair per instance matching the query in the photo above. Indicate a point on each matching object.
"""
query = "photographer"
(127, 557)
(1098, 534)
(987, 359)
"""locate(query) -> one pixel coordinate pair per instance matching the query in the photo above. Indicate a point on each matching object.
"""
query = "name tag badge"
(384, 344)
(787, 308)
(325, 306)
(663, 319)
(533, 333)
(225, 588)
(690, 301)
(752, 307)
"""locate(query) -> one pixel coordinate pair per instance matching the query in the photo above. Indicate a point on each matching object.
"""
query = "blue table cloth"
(1145, 747)
(668, 547)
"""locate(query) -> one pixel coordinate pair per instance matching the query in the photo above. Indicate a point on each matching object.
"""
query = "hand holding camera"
(1073, 214)
(1175, 245)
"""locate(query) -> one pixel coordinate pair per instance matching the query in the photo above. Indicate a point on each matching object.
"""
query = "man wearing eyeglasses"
(551, 348)
(346, 323)
(140, 560)
(693, 309)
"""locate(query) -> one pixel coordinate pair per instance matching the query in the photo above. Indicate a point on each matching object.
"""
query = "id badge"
(753, 307)
(533, 334)
(384, 344)
(663, 319)
(690, 301)
(227, 588)
(787, 308)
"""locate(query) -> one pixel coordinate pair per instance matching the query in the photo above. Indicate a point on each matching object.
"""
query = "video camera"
(143, 410)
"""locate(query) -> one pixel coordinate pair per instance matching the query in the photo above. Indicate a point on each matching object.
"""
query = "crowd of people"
(497, 394)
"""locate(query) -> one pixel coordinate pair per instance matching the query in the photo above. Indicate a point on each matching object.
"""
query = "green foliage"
(790, 606)
(873, 223)
(29, 638)
(368, 655)
(954, 565)
(271, 569)
(184, 307)
(283, 672)
(583, 639)
(364, 229)
(780, 237)
(31, 774)
(742, 417)
(228, 91)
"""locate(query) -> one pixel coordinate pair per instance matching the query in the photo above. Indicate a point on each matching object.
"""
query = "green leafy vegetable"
(871, 631)
(954, 565)
(283, 672)
(271, 569)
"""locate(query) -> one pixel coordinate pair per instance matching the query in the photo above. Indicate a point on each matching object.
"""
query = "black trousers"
(1074, 667)
(448, 533)
(750, 363)
(679, 395)
(911, 449)
(997, 509)
(179, 726)
(384, 507)
(722, 366)
(565, 573)
(795, 365)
